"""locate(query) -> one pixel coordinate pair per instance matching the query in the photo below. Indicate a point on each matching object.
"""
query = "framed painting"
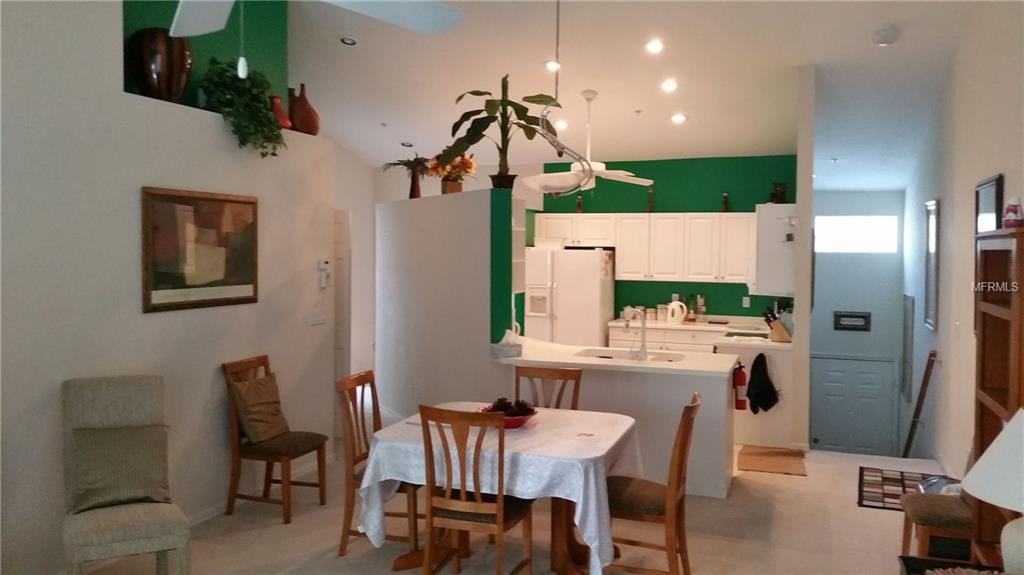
(988, 204)
(198, 249)
(931, 265)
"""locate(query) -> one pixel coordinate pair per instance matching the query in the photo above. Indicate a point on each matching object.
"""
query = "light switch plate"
(746, 301)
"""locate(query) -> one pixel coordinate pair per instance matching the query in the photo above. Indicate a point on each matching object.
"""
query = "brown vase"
(304, 117)
(450, 187)
(503, 181)
(161, 64)
(414, 185)
(282, 117)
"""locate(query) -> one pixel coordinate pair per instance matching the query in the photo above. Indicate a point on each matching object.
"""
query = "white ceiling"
(735, 64)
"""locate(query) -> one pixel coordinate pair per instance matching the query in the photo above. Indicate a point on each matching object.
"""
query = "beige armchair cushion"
(126, 523)
(259, 408)
(118, 465)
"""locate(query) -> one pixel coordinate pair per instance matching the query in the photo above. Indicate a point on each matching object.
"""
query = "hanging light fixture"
(243, 65)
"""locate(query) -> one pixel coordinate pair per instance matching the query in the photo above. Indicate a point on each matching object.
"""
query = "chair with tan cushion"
(261, 434)
(934, 515)
(636, 499)
(115, 473)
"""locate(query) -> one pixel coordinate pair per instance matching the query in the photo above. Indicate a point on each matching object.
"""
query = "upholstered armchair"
(115, 473)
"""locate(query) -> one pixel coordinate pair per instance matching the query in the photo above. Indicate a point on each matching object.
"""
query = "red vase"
(282, 117)
(414, 186)
(161, 64)
(304, 117)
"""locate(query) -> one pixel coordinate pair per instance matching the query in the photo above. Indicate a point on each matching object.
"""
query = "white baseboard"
(218, 509)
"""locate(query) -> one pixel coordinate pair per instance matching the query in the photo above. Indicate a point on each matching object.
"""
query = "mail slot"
(851, 321)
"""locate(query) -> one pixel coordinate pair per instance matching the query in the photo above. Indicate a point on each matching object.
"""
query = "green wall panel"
(266, 40)
(520, 301)
(686, 185)
(501, 263)
(531, 226)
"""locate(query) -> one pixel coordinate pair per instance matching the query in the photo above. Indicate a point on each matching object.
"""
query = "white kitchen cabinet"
(776, 252)
(666, 247)
(701, 247)
(720, 247)
(583, 230)
(632, 247)
(738, 248)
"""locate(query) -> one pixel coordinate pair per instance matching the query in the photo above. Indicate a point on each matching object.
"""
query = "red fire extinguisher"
(739, 385)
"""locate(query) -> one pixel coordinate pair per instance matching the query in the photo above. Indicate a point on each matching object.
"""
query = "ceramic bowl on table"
(514, 421)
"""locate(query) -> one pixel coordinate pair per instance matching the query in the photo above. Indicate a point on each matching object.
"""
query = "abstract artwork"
(199, 249)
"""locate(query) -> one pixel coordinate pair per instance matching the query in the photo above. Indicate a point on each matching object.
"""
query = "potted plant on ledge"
(452, 173)
(509, 115)
(417, 166)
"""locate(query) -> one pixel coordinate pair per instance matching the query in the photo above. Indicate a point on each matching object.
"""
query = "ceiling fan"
(583, 172)
(195, 17)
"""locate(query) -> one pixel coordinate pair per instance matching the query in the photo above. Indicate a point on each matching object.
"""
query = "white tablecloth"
(558, 453)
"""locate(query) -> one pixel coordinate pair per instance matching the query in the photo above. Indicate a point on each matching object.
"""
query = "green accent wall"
(686, 185)
(501, 263)
(531, 226)
(266, 41)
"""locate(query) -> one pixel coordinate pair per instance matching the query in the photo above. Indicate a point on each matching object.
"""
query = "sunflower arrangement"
(454, 171)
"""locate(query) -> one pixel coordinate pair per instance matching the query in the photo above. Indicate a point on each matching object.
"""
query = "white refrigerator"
(570, 295)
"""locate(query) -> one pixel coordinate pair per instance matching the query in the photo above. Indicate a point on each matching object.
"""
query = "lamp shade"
(998, 475)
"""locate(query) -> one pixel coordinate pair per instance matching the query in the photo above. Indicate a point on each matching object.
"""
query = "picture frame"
(988, 204)
(931, 265)
(199, 249)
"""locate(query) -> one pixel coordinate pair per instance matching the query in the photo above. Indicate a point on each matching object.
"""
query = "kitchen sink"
(666, 356)
(605, 353)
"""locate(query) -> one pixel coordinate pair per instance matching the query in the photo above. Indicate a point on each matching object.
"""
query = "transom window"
(856, 234)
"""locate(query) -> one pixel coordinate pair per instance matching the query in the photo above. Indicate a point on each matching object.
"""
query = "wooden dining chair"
(548, 386)
(357, 395)
(635, 499)
(453, 506)
(281, 449)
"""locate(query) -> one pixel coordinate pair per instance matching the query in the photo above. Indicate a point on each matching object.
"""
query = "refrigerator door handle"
(552, 299)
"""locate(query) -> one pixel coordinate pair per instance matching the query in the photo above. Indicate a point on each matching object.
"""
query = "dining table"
(565, 455)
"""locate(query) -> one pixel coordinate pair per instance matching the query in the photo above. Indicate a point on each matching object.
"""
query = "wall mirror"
(931, 266)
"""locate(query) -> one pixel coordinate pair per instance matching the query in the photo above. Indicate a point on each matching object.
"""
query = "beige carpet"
(771, 460)
(770, 525)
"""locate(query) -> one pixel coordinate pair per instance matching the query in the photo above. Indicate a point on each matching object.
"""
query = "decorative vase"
(503, 181)
(414, 185)
(161, 64)
(304, 117)
(282, 117)
(778, 193)
(450, 186)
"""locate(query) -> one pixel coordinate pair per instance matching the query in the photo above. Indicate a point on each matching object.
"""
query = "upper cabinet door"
(632, 238)
(595, 230)
(701, 247)
(555, 227)
(739, 247)
(666, 247)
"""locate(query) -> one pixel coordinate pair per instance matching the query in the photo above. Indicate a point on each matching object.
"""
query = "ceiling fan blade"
(624, 176)
(425, 16)
(196, 17)
(553, 182)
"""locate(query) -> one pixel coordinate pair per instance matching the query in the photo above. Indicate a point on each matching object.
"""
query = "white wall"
(76, 152)
(984, 127)
(433, 313)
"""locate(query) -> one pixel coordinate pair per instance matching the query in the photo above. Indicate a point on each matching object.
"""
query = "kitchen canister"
(662, 312)
(652, 314)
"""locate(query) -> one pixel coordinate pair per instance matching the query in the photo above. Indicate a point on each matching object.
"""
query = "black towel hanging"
(761, 391)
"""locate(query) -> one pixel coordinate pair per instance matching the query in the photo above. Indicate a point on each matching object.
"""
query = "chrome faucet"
(628, 314)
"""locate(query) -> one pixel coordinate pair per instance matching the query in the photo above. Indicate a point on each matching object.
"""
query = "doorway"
(857, 322)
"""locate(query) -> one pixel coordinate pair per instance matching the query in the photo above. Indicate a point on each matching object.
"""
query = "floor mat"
(772, 460)
(882, 488)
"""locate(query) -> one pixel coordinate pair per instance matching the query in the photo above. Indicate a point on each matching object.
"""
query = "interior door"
(632, 239)
(666, 247)
(595, 230)
(849, 393)
(739, 248)
(701, 247)
(555, 227)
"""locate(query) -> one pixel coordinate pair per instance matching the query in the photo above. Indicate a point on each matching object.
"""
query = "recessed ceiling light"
(886, 35)
(348, 40)
(678, 118)
(561, 125)
(669, 85)
(552, 65)
(655, 46)
(406, 144)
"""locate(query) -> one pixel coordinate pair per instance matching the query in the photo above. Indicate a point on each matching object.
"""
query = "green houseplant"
(417, 166)
(508, 115)
(245, 106)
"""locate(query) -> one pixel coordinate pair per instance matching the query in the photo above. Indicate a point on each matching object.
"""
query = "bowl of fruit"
(516, 413)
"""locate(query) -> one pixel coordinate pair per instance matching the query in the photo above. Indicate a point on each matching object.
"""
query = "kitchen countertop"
(537, 353)
(748, 326)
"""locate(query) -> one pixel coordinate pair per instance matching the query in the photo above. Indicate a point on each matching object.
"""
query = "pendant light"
(243, 66)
